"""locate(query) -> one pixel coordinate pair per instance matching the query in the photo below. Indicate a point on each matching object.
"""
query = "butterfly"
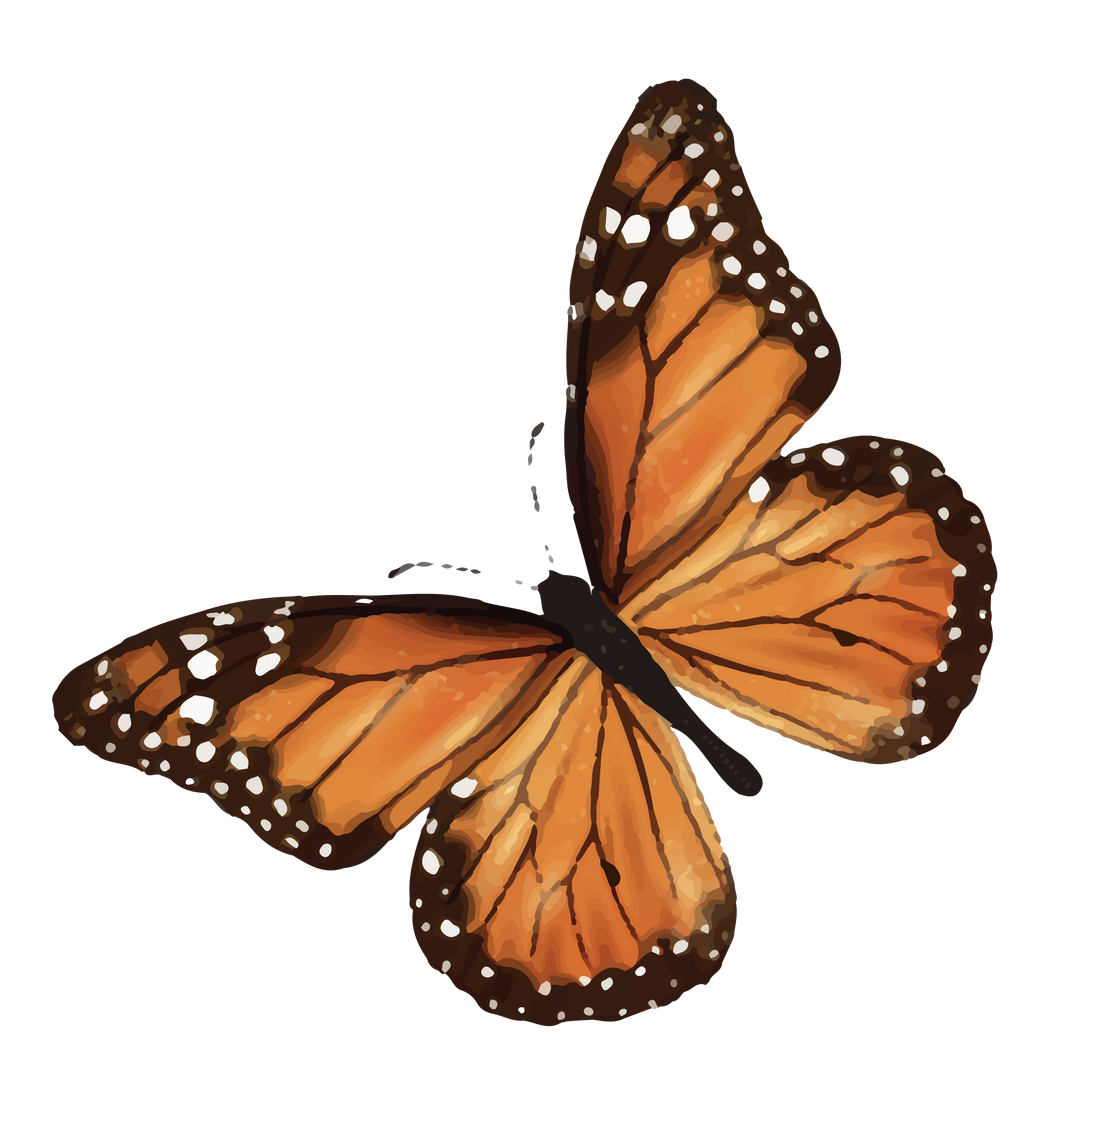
(343, 533)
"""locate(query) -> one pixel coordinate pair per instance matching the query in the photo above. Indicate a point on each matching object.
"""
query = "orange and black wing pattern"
(324, 723)
(840, 595)
(575, 873)
(569, 869)
(845, 602)
(694, 352)
(569, 866)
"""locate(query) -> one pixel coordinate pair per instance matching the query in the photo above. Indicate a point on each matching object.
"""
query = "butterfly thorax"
(616, 648)
(605, 639)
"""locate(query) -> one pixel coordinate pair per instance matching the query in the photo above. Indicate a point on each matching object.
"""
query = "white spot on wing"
(758, 491)
(680, 226)
(200, 709)
(204, 664)
(900, 475)
(636, 229)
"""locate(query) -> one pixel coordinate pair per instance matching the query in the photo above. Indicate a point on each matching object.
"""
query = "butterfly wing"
(693, 354)
(575, 873)
(324, 723)
(848, 606)
(829, 609)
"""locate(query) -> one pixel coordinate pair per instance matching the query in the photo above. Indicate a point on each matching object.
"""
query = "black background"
(318, 339)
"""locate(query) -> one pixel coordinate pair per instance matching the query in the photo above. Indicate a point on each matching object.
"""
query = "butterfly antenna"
(414, 565)
(533, 436)
(406, 566)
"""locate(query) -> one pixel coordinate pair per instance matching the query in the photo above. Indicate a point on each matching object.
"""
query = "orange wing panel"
(323, 724)
(848, 607)
(694, 352)
(693, 461)
(615, 407)
(403, 641)
(577, 873)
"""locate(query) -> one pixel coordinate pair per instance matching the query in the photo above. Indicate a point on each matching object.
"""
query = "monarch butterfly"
(234, 549)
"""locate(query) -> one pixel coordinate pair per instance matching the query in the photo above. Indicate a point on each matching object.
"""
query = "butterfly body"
(618, 651)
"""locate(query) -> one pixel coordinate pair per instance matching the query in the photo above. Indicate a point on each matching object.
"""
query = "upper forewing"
(694, 353)
(324, 723)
